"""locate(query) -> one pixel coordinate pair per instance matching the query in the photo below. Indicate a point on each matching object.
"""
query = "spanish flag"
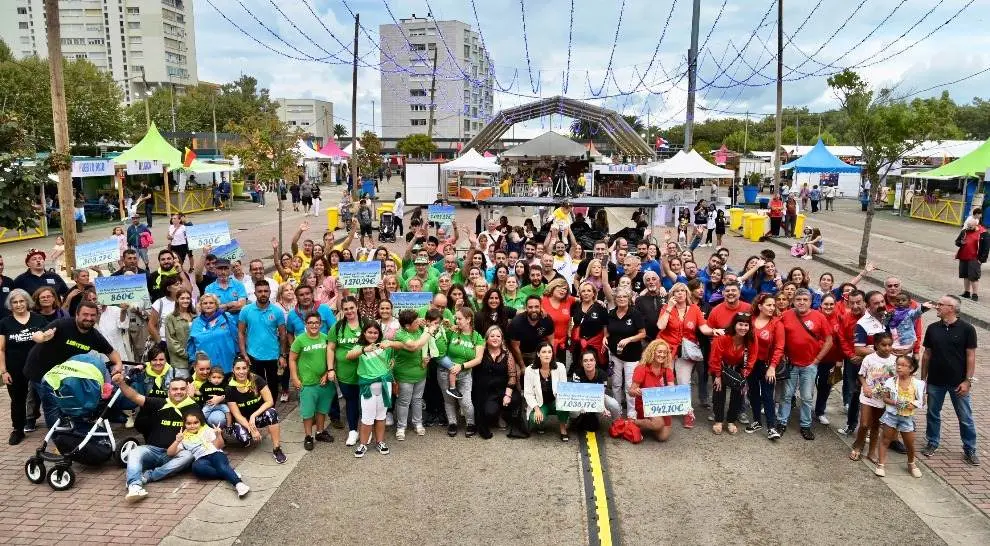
(188, 158)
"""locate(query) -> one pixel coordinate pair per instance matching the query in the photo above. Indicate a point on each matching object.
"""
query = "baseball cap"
(222, 262)
(33, 252)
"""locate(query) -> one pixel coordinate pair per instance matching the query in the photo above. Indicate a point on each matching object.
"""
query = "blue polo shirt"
(652, 265)
(296, 324)
(262, 330)
(235, 290)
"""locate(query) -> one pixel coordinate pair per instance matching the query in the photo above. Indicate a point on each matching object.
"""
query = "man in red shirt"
(721, 315)
(973, 249)
(808, 338)
(856, 309)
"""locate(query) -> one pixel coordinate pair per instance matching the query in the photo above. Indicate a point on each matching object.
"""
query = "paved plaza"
(696, 489)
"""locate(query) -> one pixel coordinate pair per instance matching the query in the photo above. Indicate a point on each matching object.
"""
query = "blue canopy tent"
(821, 161)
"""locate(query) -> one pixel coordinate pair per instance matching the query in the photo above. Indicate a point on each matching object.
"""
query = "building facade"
(464, 96)
(144, 44)
(313, 116)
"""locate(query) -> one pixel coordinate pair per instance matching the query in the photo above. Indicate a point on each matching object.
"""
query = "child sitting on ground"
(206, 445)
(901, 323)
(211, 397)
(903, 396)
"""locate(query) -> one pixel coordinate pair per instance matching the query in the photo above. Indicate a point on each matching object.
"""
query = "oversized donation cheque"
(661, 401)
(202, 235)
(359, 274)
(118, 289)
(97, 254)
(583, 397)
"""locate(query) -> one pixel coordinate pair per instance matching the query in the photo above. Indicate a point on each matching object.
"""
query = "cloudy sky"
(914, 44)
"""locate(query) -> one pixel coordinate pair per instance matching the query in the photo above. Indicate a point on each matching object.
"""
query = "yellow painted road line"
(603, 519)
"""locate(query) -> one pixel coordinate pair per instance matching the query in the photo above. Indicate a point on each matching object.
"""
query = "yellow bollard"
(735, 218)
(333, 218)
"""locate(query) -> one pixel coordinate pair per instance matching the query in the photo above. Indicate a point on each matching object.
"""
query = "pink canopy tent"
(331, 149)
(488, 154)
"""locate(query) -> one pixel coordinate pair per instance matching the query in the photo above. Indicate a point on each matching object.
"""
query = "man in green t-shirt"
(536, 286)
(314, 379)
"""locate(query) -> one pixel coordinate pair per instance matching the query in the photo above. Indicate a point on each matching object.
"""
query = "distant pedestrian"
(805, 195)
(315, 191)
(294, 191)
(974, 247)
(948, 366)
(815, 196)
(828, 192)
(306, 196)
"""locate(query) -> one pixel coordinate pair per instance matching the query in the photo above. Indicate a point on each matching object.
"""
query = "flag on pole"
(188, 158)
(661, 142)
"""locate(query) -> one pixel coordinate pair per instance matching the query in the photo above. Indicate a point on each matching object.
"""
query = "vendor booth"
(674, 197)
(337, 157)
(470, 177)
(818, 167)
(947, 194)
(544, 165)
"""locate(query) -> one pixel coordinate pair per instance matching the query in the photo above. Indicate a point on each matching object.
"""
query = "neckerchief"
(159, 378)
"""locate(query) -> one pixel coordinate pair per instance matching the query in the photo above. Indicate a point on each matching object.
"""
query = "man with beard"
(650, 302)
(256, 274)
(167, 267)
(631, 270)
(529, 252)
(642, 250)
(64, 339)
(36, 276)
(560, 260)
(262, 340)
(856, 305)
(129, 264)
(527, 330)
(720, 317)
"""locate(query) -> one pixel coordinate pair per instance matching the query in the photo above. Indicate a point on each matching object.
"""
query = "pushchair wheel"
(34, 469)
(61, 477)
(124, 450)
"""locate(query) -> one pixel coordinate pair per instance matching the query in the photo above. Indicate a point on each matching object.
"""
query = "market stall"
(818, 167)
(544, 165)
(337, 157)
(947, 194)
(684, 166)
(470, 177)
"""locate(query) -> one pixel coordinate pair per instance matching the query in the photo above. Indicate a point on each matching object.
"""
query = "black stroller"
(386, 228)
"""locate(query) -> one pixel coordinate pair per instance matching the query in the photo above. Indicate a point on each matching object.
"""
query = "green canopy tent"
(972, 165)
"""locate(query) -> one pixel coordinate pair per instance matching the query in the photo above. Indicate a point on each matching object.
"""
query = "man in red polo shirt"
(722, 314)
(808, 338)
(856, 310)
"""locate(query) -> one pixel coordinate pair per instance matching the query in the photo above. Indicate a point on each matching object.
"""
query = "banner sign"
(359, 274)
(441, 214)
(213, 234)
(409, 300)
(92, 167)
(115, 290)
(229, 251)
(144, 166)
(660, 401)
(586, 397)
(97, 254)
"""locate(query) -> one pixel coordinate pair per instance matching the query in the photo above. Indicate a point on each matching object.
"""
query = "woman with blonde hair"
(656, 370)
(598, 277)
(214, 332)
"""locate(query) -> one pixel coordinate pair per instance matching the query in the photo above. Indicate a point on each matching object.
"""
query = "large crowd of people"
(512, 317)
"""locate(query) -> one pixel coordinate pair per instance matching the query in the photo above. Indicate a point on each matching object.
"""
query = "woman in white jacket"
(540, 390)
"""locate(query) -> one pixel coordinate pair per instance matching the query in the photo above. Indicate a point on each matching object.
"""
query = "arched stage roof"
(618, 130)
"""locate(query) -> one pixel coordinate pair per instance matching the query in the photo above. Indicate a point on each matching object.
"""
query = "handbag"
(783, 370)
(691, 351)
(732, 377)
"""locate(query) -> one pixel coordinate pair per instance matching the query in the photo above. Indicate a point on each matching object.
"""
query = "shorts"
(902, 423)
(242, 435)
(315, 399)
(443, 361)
(970, 270)
(366, 229)
(295, 198)
(373, 408)
(307, 201)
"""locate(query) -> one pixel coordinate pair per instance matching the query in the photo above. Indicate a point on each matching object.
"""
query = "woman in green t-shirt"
(375, 358)
(511, 295)
(341, 338)
(410, 372)
(464, 348)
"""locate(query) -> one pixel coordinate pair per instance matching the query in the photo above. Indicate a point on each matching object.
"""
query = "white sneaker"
(242, 489)
(823, 420)
(284, 397)
(130, 420)
(352, 438)
(400, 434)
(420, 430)
(135, 493)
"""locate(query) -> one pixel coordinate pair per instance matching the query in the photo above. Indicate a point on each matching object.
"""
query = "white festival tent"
(688, 165)
(349, 148)
(471, 161)
(305, 152)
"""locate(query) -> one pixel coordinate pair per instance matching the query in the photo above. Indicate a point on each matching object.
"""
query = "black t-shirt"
(592, 322)
(6, 285)
(166, 420)
(155, 290)
(18, 342)
(948, 344)
(209, 390)
(31, 282)
(208, 279)
(618, 329)
(577, 375)
(67, 343)
(120, 272)
(546, 385)
(649, 307)
(637, 283)
(248, 401)
(528, 335)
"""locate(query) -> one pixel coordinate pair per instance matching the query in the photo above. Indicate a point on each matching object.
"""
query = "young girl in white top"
(903, 396)
(876, 368)
(206, 445)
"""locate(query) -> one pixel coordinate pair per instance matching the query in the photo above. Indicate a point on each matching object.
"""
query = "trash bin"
(333, 218)
(735, 218)
(799, 225)
(757, 227)
(750, 193)
(764, 203)
(746, 224)
(368, 188)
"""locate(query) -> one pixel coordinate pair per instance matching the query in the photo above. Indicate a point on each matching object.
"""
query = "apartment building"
(144, 44)
(311, 115)
(464, 94)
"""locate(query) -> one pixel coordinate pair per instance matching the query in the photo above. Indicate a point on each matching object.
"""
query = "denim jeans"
(155, 464)
(850, 380)
(964, 412)
(216, 416)
(760, 393)
(410, 397)
(803, 378)
(49, 404)
(215, 466)
(464, 381)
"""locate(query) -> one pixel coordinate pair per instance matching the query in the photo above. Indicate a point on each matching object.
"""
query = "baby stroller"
(82, 435)
(386, 228)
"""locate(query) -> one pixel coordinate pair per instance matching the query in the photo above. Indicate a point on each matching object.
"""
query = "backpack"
(145, 239)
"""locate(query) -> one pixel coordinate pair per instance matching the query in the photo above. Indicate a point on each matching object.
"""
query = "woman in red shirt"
(557, 305)
(654, 371)
(835, 355)
(678, 324)
(776, 214)
(737, 350)
(769, 335)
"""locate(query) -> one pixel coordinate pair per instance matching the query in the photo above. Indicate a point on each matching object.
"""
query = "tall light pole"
(692, 76)
(780, 94)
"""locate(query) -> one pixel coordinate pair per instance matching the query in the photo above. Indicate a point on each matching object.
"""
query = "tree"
(369, 157)
(19, 183)
(418, 145)
(885, 128)
(339, 131)
(635, 123)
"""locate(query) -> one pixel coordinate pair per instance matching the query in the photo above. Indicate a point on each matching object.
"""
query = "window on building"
(133, 11)
(22, 25)
(91, 27)
(417, 32)
(137, 40)
(96, 41)
(22, 11)
(467, 52)
(417, 107)
(431, 47)
(417, 122)
(73, 41)
(137, 54)
(134, 24)
(467, 125)
(417, 92)
(417, 47)
(474, 112)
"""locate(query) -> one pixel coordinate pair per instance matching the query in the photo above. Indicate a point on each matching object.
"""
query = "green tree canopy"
(418, 145)
(369, 157)
(19, 184)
